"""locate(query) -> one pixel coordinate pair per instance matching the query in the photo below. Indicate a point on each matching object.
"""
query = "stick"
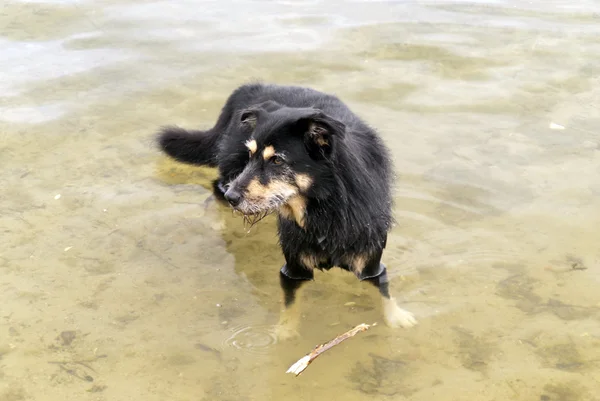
(303, 363)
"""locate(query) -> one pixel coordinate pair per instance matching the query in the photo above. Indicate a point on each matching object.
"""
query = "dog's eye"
(276, 160)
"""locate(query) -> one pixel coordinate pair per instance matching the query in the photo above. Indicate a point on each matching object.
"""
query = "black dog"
(305, 155)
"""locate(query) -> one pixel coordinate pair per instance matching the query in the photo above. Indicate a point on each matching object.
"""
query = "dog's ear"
(321, 132)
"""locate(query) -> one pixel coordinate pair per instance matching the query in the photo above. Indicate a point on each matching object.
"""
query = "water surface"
(118, 282)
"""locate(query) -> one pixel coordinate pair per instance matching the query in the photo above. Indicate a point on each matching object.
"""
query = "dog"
(304, 155)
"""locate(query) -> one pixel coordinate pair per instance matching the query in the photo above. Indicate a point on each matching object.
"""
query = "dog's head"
(289, 150)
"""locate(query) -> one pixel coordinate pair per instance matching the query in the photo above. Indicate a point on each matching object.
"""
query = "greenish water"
(117, 281)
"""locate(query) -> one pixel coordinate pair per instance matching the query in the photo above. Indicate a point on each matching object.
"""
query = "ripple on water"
(451, 224)
(253, 339)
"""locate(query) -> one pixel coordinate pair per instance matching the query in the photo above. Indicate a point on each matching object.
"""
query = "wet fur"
(348, 205)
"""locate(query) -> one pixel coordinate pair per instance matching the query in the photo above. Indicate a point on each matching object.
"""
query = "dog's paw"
(396, 316)
(285, 332)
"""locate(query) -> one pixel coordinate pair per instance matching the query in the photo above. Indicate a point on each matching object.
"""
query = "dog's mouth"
(254, 212)
(250, 219)
(259, 201)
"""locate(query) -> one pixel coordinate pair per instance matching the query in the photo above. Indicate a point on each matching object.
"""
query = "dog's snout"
(233, 197)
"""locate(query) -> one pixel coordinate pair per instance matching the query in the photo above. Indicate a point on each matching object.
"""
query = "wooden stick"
(303, 363)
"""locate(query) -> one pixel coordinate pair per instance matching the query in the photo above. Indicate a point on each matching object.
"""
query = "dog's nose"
(233, 197)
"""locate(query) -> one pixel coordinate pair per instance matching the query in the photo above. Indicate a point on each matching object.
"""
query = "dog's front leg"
(291, 278)
(394, 315)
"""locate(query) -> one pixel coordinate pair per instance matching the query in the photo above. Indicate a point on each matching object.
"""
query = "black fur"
(348, 205)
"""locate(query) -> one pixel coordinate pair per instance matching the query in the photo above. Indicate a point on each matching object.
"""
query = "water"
(119, 283)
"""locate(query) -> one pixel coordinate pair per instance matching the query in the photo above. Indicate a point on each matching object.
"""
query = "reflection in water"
(253, 338)
(133, 284)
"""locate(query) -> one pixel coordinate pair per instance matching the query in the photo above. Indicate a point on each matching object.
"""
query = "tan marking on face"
(303, 181)
(257, 192)
(268, 152)
(294, 209)
(252, 146)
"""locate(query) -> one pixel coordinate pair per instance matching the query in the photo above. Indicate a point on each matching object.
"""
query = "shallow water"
(118, 281)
